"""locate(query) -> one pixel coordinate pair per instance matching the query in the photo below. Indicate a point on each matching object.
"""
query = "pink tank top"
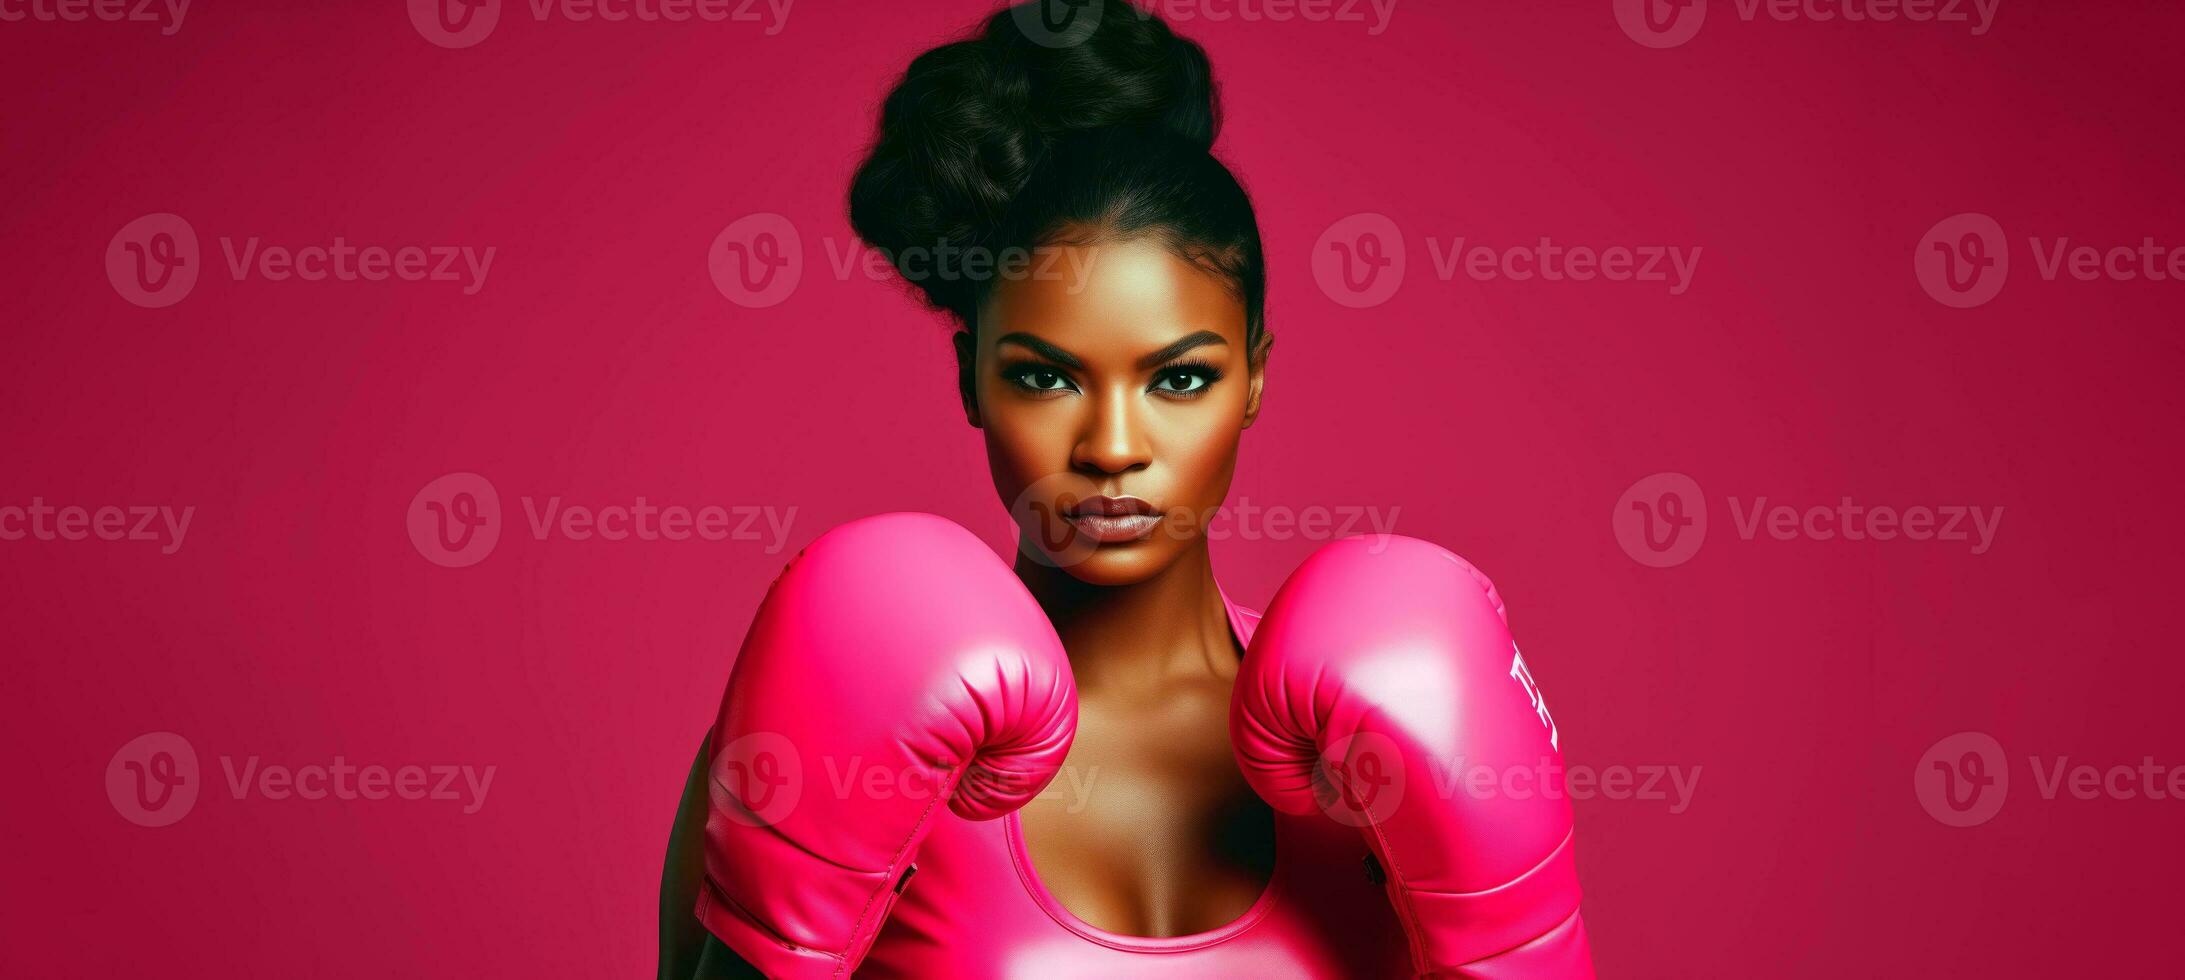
(976, 909)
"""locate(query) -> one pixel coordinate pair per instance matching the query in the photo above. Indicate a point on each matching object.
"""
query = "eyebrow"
(1173, 351)
(1049, 351)
(1042, 348)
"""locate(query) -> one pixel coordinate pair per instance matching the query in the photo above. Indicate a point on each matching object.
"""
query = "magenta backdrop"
(1806, 681)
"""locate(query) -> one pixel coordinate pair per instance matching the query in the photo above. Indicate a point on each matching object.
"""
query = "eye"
(1181, 381)
(1034, 377)
(1185, 379)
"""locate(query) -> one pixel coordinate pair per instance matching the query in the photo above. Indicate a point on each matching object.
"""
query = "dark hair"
(1025, 135)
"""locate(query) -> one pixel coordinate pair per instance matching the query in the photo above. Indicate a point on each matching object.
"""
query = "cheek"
(1202, 453)
(1024, 441)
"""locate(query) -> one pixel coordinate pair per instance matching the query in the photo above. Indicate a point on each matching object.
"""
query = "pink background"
(600, 363)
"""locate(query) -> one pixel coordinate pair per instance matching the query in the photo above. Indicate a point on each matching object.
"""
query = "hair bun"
(964, 130)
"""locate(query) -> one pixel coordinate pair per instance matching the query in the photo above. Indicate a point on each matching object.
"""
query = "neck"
(1137, 637)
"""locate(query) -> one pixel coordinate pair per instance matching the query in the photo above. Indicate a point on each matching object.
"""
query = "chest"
(1150, 830)
(977, 910)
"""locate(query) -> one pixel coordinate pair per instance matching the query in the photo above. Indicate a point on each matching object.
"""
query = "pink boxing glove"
(1381, 680)
(898, 643)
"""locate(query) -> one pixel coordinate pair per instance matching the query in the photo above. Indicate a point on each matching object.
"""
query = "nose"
(1114, 439)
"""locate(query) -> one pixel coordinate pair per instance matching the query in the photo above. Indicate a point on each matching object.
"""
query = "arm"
(687, 950)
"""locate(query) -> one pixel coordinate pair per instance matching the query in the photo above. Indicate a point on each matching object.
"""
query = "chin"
(1110, 565)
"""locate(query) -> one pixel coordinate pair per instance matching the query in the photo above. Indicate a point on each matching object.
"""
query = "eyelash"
(1021, 374)
(1206, 372)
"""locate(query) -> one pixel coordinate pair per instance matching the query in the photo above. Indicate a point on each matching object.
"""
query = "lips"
(1113, 520)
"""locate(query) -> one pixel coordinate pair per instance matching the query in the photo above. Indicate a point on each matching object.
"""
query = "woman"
(1052, 190)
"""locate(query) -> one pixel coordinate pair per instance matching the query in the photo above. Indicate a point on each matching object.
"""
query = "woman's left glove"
(1383, 688)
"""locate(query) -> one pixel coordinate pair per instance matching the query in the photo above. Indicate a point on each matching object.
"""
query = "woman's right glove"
(896, 664)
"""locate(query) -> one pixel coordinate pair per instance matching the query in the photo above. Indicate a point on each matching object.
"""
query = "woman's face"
(1113, 384)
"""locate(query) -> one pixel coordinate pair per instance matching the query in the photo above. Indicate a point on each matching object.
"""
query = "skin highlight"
(1133, 380)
